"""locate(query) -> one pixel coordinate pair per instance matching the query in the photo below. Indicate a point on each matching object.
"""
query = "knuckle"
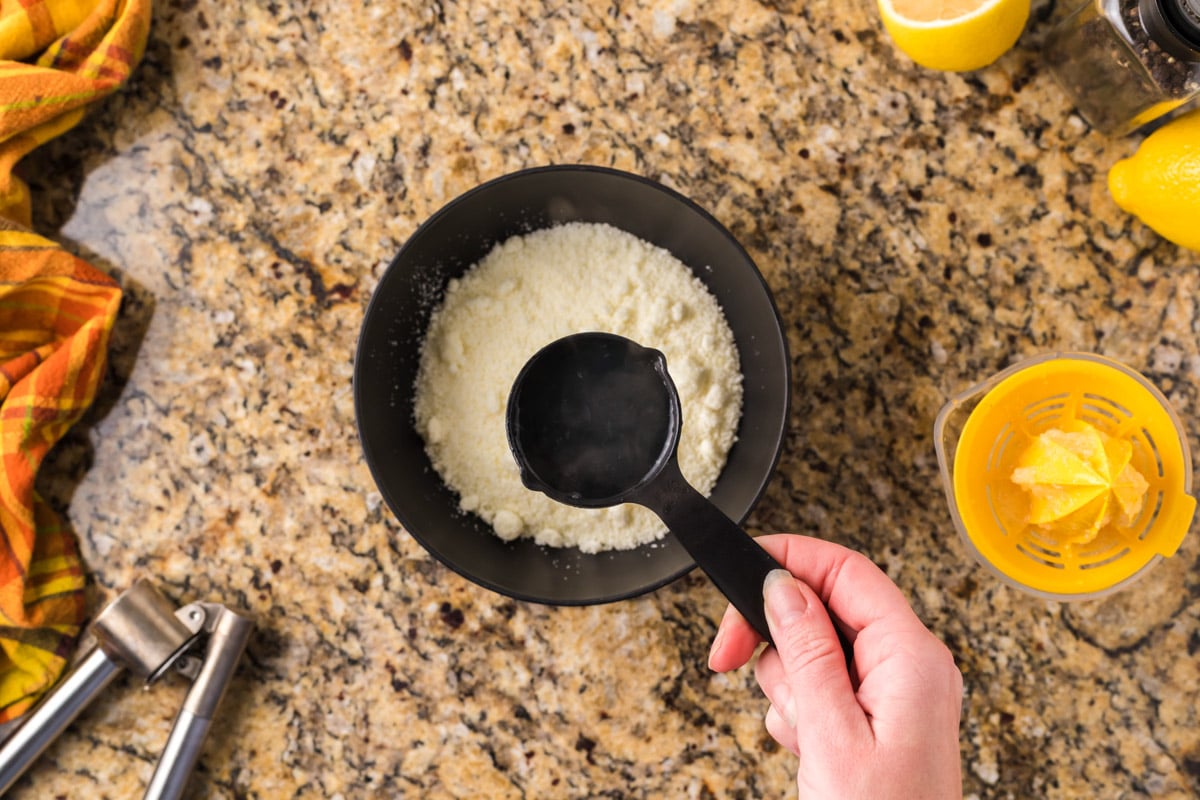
(801, 648)
(943, 673)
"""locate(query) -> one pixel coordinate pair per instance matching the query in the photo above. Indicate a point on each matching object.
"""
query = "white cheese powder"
(529, 291)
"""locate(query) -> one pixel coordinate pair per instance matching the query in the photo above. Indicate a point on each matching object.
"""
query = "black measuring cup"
(594, 421)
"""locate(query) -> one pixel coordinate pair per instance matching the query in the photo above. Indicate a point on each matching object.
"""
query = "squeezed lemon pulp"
(1079, 481)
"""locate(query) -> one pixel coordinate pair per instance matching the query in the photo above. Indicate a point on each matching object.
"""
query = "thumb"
(814, 665)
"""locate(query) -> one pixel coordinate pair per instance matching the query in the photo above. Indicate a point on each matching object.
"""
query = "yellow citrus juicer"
(983, 435)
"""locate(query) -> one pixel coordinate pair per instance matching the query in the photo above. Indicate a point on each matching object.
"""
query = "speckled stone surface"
(920, 231)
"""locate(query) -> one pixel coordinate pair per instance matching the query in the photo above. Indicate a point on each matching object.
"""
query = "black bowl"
(446, 246)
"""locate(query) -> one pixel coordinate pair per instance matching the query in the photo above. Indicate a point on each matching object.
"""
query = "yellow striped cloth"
(56, 314)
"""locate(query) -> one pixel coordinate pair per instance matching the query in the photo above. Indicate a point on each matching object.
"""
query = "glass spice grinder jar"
(1125, 63)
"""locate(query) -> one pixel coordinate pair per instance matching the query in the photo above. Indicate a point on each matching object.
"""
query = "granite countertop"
(919, 230)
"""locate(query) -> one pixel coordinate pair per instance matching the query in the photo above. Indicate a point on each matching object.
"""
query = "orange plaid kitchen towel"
(56, 314)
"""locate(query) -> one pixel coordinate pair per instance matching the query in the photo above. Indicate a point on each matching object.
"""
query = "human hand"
(883, 726)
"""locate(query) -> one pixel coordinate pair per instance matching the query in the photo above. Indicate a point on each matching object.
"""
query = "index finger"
(851, 586)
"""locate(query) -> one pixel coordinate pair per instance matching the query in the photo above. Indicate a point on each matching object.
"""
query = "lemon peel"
(954, 35)
(1160, 183)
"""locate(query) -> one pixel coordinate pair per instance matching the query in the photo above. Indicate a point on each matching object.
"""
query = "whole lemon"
(1160, 183)
(955, 35)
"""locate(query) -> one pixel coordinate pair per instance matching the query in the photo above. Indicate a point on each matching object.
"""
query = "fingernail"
(716, 645)
(781, 597)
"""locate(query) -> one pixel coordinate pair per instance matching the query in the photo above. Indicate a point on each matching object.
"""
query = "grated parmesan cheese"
(529, 291)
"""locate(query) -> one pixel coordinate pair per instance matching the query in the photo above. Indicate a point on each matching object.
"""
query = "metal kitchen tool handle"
(138, 631)
(141, 631)
(228, 634)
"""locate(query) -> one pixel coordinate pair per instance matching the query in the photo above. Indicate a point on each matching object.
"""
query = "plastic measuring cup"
(980, 434)
(593, 421)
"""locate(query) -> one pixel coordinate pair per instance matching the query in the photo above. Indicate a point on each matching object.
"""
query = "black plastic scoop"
(594, 421)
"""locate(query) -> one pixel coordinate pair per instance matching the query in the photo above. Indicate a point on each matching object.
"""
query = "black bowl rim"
(449, 208)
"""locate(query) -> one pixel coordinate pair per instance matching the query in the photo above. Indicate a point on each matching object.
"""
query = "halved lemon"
(955, 35)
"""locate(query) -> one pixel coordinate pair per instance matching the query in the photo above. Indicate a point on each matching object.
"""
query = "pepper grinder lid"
(1174, 25)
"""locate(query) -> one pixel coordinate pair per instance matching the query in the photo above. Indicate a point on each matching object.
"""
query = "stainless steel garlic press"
(145, 633)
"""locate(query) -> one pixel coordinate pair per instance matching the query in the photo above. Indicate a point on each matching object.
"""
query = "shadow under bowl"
(452, 241)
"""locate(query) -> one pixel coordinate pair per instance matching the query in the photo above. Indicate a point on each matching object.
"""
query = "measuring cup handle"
(727, 554)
